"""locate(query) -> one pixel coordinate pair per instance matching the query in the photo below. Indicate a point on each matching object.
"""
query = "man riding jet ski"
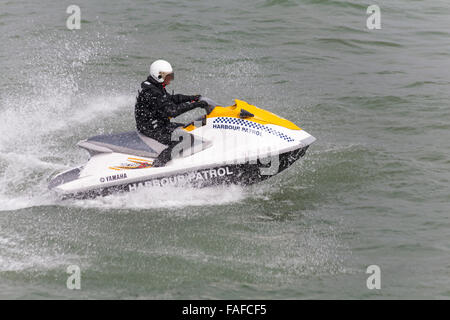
(155, 107)
(237, 144)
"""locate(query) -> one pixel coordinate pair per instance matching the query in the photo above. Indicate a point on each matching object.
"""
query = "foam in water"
(40, 117)
(165, 197)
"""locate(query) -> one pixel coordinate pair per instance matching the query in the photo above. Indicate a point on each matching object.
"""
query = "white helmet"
(160, 69)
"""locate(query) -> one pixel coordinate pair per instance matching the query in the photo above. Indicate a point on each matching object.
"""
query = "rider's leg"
(166, 155)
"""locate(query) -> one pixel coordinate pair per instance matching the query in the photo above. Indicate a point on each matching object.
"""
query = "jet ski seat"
(130, 142)
(127, 142)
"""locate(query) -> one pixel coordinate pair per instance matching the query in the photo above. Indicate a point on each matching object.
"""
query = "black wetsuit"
(153, 110)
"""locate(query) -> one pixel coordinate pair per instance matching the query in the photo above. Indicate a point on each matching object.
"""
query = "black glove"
(204, 105)
(196, 97)
(201, 104)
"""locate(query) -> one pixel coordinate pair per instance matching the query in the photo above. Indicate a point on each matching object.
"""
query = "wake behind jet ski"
(238, 144)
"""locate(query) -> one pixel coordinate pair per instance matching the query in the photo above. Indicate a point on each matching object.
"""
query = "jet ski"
(238, 144)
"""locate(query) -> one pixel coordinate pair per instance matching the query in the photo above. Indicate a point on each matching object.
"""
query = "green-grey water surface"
(373, 190)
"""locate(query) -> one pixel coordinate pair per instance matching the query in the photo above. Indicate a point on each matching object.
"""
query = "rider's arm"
(180, 98)
(171, 109)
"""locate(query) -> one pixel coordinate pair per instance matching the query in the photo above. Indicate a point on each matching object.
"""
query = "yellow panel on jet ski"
(259, 115)
(264, 116)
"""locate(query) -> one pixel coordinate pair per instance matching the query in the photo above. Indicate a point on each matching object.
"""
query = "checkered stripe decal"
(253, 125)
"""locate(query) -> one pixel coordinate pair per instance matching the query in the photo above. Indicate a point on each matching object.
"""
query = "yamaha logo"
(113, 178)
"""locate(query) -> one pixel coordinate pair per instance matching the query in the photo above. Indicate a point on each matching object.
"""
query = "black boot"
(163, 158)
(166, 155)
